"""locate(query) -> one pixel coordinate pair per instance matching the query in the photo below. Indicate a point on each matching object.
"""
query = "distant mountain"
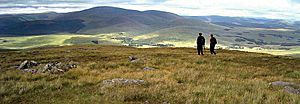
(28, 24)
(91, 21)
(111, 19)
(244, 22)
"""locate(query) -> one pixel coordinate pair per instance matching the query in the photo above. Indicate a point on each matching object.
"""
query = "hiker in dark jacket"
(213, 42)
(200, 44)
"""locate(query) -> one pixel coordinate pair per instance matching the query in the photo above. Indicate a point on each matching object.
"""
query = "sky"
(275, 9)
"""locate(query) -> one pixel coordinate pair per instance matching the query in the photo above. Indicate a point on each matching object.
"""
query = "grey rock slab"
(281, 83)
(291, 90)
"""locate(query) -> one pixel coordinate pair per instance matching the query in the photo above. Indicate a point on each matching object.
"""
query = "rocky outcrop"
(52, 67)
(58, 67)
(149, 68)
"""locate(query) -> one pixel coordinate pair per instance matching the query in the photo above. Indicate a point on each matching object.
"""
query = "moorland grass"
(180, 76)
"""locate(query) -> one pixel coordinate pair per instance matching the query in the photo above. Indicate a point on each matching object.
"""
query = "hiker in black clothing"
(213, 42)
(200, 43)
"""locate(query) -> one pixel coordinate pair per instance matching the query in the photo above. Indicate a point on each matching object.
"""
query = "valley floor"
(128, 40)
(173, 75)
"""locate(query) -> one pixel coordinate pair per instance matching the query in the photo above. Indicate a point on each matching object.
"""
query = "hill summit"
(91, 21)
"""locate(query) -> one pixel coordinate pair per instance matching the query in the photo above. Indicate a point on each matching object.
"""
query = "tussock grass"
(180, 76)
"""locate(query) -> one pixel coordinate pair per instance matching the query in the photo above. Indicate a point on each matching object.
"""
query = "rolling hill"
(157, 27)
(91, 21)
(245, 22)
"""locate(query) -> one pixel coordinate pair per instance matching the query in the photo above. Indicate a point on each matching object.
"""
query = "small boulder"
(291, 90)
(265, 59)
(133, 59)
(35, 52)
(95, 41)
(149, 68)
(27, 64)
(281, 83)
(121, 81)
(72, 65)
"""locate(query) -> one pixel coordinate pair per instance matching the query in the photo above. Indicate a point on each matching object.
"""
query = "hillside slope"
(90, 21)
(174, 75)
(245, 22)
(154, 27)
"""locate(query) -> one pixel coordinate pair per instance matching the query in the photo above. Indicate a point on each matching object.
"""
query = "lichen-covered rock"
(27, 64)
(121, 81)
(53, 67)
(72, 65)
(58, 67)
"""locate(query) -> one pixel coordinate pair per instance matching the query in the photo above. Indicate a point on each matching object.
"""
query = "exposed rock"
(55, 67)
(148, 68)
(95, 41)
(72, 64)
(35, 52)
(121, 81)
(133, 59)
(58, 67)
(288, 87)
(166, 103)
(22, 90)
(2, 40)
(27, 64)
(227, 29)
(291, 90)
(265, 59)
(281, 83)
(30, 70)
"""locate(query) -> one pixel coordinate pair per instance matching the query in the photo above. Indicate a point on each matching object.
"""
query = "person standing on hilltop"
(200, 44)
(213, 42)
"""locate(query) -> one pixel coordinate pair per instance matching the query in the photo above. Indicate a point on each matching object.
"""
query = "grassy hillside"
(54, 40)
(179, 76)
(177, 38)
(145, 28)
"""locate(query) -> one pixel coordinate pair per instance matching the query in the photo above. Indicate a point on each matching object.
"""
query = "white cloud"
(282, 9)
(251, 8)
